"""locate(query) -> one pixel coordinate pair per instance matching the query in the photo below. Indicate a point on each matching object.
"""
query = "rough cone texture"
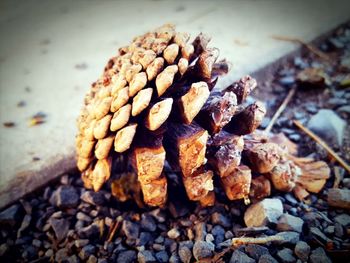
(157, 102)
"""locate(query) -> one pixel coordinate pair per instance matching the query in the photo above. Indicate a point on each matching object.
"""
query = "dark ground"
(63, 222)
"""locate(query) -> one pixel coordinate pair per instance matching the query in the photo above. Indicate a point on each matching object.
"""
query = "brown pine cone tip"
(154, 103)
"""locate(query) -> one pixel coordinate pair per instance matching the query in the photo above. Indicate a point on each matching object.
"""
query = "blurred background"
(51, 51)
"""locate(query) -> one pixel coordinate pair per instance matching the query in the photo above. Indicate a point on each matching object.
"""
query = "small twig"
(310, 47)
(113, 230)
(255, 240)
(323, 144)
(281, 109)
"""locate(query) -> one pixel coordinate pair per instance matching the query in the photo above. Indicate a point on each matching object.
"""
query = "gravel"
(91, 231)
(289, 237)
(12, 215)
(162, 256)
(185, 254)
(267, 258)
(286, 255)
(339, 198)
(146, 256)
(263, 213)
(202, 249)
(302, 250)
(86, 251)
(60, 227)
(127, 256)
(94, 198)
(220, 219)
(65, 197)
(319, 256)
(343, 219)
(328, 125)
(130, 229)
(240, 257)
(173, 233)
(256, 251)
(290, 223)
(148, 223)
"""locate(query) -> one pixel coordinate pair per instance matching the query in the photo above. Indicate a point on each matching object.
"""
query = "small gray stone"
(264, 212)
(25, 224)
(93, 198)
(36, 243)
(158, 215)
(294, 137)
(256, 251)
(220, 219)
(289, 237)
(343, 219)
(336, 43)
(90, 231)
(91, 259)
(187, 243)
(144, 239)
(127, 256)
(12, 215)
(173, 233)
(229, 235)
(344, 109)
(162, 256)
(209, 238)
(145, 256)
(339, 198)
(290, 223)
(328, 125)
(202, 249)
(338, 230)
(226, 243)
(174, 258)
(185, 254)
(65, 197)
(148, 223)
(287, 81)
(159, 240)
(81, 242)
(329, 230)
(311, 108)
(61, 255)
(49, 253)
(267, 258)
(83, 217)
(86, 251)
(317, 233)
(302, 250)
(336, 102)
(286, 255)
(3, 249)
(290, 198)
(319, 256)
(60, 227)
(240, 257)
(75, 259)
(130, 229)
(219, 233)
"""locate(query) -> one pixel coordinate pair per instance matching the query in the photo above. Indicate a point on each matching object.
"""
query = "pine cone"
(154, 103)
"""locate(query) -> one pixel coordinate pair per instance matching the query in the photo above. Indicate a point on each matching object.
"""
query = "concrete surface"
(50, 52)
